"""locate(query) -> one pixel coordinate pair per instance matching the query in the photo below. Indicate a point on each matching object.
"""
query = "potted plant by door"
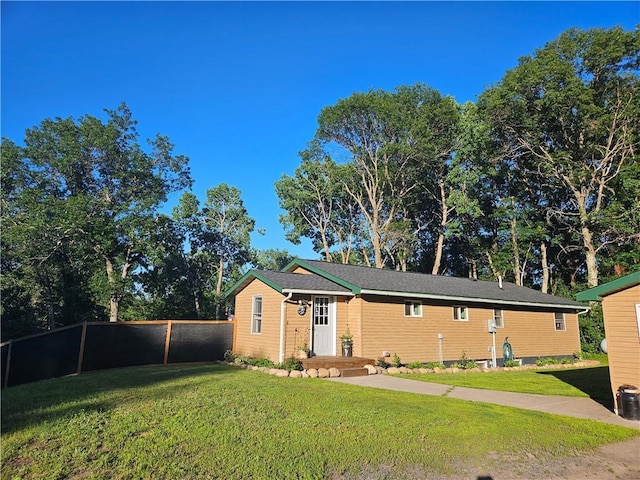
(347, 344)
(304, 351)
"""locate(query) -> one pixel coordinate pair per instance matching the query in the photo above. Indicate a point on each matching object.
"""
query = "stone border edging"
(375, 370)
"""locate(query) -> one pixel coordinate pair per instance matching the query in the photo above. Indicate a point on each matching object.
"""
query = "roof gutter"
(283, 311)
(316, 292)
(469, 299)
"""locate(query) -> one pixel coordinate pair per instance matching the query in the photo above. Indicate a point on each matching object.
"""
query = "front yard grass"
(215, 421)
(590, 382)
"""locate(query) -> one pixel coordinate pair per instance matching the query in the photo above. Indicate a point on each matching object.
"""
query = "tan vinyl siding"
(531, 334)
(299, 269)
(623, 340)
(354, 321)
(297, 326)
(267, 343)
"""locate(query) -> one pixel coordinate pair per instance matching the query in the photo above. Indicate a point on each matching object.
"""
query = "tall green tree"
(398, 150)
(572, 111)
(317, 206)
(93, 195)
(219, 234)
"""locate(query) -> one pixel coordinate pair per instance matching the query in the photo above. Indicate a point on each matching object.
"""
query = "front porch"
(348, 366)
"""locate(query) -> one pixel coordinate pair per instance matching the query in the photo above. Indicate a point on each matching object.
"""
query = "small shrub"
(415, 365)
(381, 362)
(465, 363)
(396, 360)
(511, 363)
(289, 364)
(261, 362)
(433, 365)
(229, 356)
(541, 362)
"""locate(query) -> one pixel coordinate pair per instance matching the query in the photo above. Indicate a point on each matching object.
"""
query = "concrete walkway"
(571, 406)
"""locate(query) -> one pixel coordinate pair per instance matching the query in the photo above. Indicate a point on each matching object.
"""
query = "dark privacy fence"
(96, 346)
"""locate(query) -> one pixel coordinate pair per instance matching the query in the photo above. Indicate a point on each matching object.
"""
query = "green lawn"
(193, 422)
(590, 382)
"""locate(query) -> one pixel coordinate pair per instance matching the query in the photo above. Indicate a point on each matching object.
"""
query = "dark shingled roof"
(372, 280)
(297, 281)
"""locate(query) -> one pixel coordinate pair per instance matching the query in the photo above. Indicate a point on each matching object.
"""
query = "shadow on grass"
(595, 382)
(50, 400)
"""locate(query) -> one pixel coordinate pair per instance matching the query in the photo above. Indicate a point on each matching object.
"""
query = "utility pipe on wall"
(283, 311)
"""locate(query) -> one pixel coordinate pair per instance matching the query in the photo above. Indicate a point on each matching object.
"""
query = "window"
(412, 308)
(460, 314)
(497, 318)
(256, 315)
(559, 318)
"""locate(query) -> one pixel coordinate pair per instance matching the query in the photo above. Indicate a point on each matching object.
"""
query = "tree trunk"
(587, 241)
(220, 276)
(443, 224)
(516, 252)
(545, 267)
(590, 257)
(114, 306)
(116, 285)
(376, 242)
(495, 272)
(196, 304)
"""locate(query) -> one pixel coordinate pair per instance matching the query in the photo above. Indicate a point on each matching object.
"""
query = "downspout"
(282, 325)
(578, 313)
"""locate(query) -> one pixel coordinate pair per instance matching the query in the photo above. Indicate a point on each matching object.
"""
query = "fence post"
(167, 341)
(6, 367)
(82, 344)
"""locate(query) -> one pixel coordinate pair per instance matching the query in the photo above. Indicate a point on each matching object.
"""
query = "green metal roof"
(596, 293)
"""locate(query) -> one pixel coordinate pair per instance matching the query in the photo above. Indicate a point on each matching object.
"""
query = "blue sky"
(238, 86)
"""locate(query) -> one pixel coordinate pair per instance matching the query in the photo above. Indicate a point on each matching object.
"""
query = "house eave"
(297, 291)
(596, 294)
(472, 300)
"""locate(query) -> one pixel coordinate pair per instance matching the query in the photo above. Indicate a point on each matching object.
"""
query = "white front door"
(323, 328)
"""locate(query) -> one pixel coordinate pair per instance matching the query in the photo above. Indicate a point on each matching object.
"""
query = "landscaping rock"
(381, 371)
(437, 370)
(371, 369)
(392, 370)
(403, 370)
(323, 373)
(282, 373)
(334, 372)
(425, 370)
(305, 374)
(312, 372)
(295, 374)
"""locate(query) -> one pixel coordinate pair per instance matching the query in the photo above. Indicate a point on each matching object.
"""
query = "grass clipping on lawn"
(222, 422)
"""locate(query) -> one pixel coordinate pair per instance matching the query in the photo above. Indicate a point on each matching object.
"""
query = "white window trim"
(501, 325)
(253, 314)
(412, 304)
(555, 322)
(457, 311)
